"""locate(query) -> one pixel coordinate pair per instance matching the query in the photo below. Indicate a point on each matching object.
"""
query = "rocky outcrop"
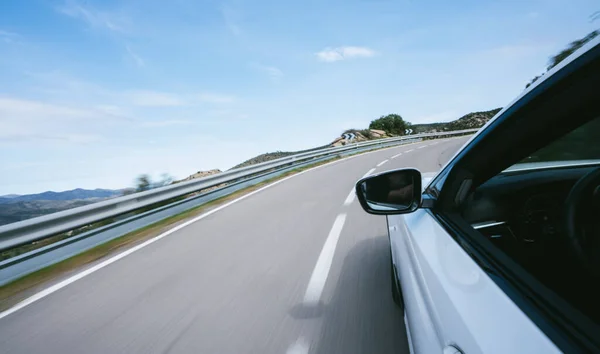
(201, 174)
(360, 135)
(376, 134)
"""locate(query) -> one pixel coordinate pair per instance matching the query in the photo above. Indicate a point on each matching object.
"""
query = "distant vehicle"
(500, 251)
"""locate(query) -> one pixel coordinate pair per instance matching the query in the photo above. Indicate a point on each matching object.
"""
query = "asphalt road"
(295, 268)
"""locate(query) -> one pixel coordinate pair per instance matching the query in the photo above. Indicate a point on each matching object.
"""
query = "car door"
(449, 299)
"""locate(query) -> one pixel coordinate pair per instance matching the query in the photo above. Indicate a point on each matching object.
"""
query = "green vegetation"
(392, 124)
(565, 53)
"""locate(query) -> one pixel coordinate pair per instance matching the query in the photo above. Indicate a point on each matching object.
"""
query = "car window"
(582, 143)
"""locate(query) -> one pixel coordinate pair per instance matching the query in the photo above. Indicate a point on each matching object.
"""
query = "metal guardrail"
(31, 261)
(26, 231)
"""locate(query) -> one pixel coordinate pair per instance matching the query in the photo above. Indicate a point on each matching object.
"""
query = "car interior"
(538, 213)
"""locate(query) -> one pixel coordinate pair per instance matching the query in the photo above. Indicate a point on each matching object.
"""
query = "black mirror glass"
(393, 192)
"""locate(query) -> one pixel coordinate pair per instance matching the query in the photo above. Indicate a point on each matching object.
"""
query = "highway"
(294, 268)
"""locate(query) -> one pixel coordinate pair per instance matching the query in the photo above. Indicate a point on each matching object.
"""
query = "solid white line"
(396, 155)
(42, 294)
(368, 172)
(316, 284)
(381, 163)
(300, 346)
(409, 150)
(350, 197)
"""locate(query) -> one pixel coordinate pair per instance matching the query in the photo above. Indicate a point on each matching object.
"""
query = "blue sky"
(95, 93)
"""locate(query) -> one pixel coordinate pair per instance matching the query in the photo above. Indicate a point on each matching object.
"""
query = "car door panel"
(457, 298)
(422, 328)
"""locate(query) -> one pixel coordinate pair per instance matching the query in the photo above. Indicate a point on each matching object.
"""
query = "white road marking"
(368, 172)
(350, 197)
(420, 147)
(396, 155)
(409, 150)
(381, 163)
(300, 346)
(316, 284)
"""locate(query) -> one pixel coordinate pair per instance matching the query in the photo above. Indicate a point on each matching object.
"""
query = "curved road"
(297, 267)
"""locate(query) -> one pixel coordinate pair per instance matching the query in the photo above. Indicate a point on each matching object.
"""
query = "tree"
(573, 46)
(143, 183)
(392, 123)
(533, 80)
(165, 179)
(564, 54)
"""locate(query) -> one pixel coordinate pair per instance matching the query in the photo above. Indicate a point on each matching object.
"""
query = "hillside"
(13, 212)
(272, 156)
(468, 121)
(16, 208)
(66, 195)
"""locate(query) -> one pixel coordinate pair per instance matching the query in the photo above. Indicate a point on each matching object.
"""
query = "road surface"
(295, 268)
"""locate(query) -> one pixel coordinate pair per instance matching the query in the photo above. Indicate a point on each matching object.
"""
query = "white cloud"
(167, 123)
(7, 36)
(164, 99)
(231, 17)
(155, 99)
(26, 120)
(214, 98)
(50, 137)
(12, 108)
(274, 73)
(342, 53)
(93, 17)
(136, 58)
(112, 110)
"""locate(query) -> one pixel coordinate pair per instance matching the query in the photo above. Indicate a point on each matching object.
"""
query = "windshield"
(581, 144)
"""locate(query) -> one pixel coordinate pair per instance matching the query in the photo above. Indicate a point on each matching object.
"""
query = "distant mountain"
(16, 208)
(13, 212)
(9, 196)
(75, 194)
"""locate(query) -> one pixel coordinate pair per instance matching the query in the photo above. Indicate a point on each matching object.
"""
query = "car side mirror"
(391, 192)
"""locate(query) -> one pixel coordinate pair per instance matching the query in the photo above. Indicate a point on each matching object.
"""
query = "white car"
(500, 251)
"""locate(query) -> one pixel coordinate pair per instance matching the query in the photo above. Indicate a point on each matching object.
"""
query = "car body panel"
(449, 299)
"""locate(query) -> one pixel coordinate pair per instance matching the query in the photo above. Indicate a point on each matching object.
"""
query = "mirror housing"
(390, 192)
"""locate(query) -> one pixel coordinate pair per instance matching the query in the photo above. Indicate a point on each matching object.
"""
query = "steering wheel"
(583, 221)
